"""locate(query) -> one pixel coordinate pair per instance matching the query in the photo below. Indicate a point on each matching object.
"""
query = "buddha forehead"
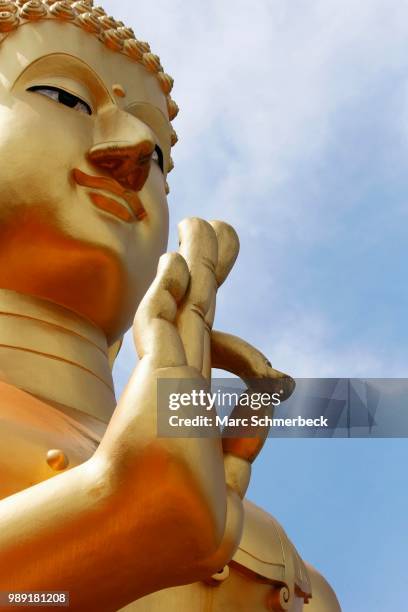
(64, 50)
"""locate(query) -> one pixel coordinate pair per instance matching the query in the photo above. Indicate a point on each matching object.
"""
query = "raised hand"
(172, 334)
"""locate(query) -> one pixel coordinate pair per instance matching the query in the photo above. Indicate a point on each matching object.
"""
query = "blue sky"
(294, 128)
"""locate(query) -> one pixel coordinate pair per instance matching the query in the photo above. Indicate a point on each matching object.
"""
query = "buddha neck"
(54, 355)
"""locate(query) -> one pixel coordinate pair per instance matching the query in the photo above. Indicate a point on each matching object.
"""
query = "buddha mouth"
(133, 210)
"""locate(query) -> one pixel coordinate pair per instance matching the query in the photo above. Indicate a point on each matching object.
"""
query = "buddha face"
(84, 141)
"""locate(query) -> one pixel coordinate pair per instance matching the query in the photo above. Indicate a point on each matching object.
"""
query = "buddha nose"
(126, 151)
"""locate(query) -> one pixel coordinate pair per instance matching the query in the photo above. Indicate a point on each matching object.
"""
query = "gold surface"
(265, 569)
(31, 428)
(92, 501)
(241, 592)
(266, 550)
(55, 355)
(324, 598)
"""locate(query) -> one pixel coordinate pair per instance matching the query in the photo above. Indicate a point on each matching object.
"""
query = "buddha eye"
(157, 157)
(63, 97)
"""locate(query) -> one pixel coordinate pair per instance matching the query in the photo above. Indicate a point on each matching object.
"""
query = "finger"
(228, 249)
(237, 356)
(154, 329)
(199, 247)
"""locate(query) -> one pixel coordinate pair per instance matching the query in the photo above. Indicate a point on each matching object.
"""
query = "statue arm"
(107, 544)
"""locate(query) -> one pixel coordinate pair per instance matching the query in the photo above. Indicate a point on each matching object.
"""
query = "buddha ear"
(113, 351)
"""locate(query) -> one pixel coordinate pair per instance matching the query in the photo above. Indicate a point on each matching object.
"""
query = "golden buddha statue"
(93, 502)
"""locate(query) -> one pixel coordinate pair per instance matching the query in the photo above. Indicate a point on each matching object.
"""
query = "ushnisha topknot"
(93, 19)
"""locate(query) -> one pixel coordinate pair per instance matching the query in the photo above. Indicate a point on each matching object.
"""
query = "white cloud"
(307, 347)
(260, 86)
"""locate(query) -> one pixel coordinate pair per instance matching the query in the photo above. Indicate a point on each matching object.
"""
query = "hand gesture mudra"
(185, 493)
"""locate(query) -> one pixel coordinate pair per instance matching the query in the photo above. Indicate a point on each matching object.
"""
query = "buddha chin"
(40, 259)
